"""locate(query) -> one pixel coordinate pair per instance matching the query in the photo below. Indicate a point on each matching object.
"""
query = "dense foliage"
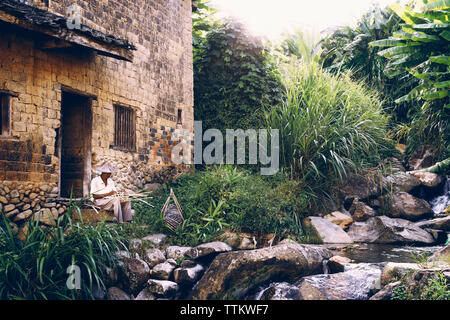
(348, 49)
(328, 124)
(36, 268)
(421, 49)
(226, 198)
(202, 21)
(234, 78)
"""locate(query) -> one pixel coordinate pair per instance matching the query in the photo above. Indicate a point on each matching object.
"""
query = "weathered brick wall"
(156, 84)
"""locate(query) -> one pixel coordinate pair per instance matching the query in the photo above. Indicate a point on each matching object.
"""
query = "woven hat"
(106, 167)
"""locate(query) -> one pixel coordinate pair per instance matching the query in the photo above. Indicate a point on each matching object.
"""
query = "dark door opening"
(76, 114)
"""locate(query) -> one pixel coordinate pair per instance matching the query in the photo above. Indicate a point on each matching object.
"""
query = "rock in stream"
(233, 275)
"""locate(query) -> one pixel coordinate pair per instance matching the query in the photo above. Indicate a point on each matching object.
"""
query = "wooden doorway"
(75, 152)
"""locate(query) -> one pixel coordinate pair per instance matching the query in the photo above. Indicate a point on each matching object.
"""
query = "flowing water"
(375, 253)
(442, 201)
(367, 254)
(363, 256)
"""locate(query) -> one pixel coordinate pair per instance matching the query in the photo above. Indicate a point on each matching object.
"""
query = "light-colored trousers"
(122, 210)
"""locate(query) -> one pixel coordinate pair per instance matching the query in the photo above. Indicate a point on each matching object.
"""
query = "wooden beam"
(109, 50)
(53, 44)
(78, 92)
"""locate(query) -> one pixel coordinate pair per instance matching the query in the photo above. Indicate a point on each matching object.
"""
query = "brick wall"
(156, 84)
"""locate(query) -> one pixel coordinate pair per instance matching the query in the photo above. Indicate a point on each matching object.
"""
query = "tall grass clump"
(35, 268)
(329, 124)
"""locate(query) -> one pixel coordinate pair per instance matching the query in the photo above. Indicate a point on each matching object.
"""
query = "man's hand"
(101, 196)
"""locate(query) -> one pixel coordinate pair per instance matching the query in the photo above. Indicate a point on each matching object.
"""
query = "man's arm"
(95, 195)
(101, 196)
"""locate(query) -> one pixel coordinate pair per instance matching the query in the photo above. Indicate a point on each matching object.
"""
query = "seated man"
(103, 189)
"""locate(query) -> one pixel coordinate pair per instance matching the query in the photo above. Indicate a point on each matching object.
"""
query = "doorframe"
(87, 127)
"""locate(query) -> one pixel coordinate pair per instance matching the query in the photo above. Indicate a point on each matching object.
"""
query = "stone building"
(84, 81)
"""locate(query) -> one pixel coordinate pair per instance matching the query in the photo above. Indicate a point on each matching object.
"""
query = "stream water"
(366, 254)
(439, 203)
(375, 253)
(363, 255)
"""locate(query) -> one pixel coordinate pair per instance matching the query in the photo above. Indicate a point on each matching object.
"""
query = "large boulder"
(400, 182)
(187, 276)
(163, 270)
(383, 229)
(428, 179)
(327, 231)
(405, 206)
(361, 187)
(162, 288)
(206, 249)
(361, 212)
(437, 224)
(358, 282)
(423, 157)
(338, 263)
(136, 273)
(340, 219)
(176, 252)
(235, 274)
(115, 293)
(153, 257)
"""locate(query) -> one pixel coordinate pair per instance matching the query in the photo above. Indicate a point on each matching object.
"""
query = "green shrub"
(224, 197)
(420, 51)
(37, 267)
(400, 293)
(328, 124)
(437, 288)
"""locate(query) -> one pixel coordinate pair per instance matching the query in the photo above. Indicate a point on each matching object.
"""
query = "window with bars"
(124, 128)
(5, 119)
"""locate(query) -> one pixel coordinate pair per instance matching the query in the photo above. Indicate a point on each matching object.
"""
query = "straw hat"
(106, 167)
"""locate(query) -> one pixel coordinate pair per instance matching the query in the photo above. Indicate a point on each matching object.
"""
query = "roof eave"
(73, 37)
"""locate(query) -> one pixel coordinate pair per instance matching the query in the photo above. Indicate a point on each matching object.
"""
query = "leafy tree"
(348, 48)
(302, 45)
(203, 19)
(421, 49)
(234, 78)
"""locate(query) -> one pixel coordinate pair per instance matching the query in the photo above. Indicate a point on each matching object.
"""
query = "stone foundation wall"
(156, 85)
(22, 201)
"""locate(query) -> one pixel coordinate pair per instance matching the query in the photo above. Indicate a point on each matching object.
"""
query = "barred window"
(5, 119)
(124, 128)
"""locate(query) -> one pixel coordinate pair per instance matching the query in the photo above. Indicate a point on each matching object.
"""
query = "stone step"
(90, 216)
